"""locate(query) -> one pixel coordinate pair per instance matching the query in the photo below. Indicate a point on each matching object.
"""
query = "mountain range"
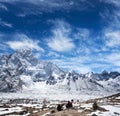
(22, 69)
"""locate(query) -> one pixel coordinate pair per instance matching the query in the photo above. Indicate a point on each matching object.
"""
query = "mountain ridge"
(22, 68)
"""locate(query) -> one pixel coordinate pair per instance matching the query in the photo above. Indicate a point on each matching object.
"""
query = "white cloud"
(115, 2)
(53, 54)
(113, 58)
(111, 33)
(113, 38)
(61, 44)
(80, 69)
(21, 15)
(60, 41)
(3, 47)
(73, 63)
(1, 35)
(84, 69)
(106, 60)
(23, 42)
(3, 23)
(82, 33)
(111, 15)
(3, 7)
(50, 5)
(84, 64)
(37, 55)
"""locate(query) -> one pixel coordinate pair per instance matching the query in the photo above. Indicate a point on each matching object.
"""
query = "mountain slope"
(23, 69)
(23, 63)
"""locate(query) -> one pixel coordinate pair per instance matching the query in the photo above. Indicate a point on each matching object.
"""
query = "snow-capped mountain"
(74, 81)
(14, 67)
(102, 76)
(24, 69)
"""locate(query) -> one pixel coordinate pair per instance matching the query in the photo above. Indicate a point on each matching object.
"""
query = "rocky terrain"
(109, 105)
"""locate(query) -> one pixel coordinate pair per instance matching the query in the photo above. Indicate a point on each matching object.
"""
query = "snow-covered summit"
(23, 69)
(23, 62)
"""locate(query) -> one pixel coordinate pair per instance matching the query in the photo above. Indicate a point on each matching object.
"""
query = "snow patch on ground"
(10, 110)
(118, 97)
(46, 114)
(47, 95)
(40, 90)
(112, 111)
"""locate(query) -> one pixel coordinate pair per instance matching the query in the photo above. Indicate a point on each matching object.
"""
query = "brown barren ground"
(70, 112)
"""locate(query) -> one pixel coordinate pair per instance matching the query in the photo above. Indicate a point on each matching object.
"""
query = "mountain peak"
(24, 52)
(22, 68)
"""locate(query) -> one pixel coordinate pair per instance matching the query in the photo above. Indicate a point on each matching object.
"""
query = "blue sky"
(82, 35)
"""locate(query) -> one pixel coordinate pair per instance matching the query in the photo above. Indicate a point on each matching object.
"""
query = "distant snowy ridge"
(23, 69)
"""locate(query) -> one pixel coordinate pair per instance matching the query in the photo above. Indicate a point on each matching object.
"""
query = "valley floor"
(108, 106)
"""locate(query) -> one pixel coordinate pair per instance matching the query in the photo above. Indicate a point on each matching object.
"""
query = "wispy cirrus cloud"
(37, 6)
(114, 59)
(4, 23)
(84, 64)
(112, 15)
(67, 38)
(82, 33)
(3, 47)
(53, 54)
(73, 63)
(113, 38)
(52, 3)
(3, 7)
(60, 40)
(115, 2)
(22, 41)
(111, 33)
